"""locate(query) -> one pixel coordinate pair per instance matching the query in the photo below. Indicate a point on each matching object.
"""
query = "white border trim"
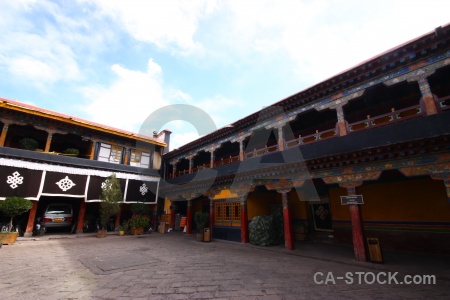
(70, 170)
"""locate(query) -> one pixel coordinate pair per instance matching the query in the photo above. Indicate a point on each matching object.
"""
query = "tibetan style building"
(68, 160)
(364, 154)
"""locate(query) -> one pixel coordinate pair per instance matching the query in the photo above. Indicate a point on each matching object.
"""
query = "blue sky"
(116, 62)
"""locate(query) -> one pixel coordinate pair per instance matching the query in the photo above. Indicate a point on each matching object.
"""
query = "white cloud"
(220, 108)
(128, 100)
(167, 24)
(323, 38)
(44, 42)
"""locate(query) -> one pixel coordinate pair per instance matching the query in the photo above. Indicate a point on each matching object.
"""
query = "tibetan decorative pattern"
(14, 180)
(65, 184)
(143, 189)
(106, 184)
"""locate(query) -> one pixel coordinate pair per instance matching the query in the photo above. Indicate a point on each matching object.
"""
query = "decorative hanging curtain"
(142, 191)
(63, 184)
(20, 182)
(97, 184)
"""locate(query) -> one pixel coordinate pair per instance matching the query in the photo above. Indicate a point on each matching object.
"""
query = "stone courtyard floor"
(175, 266)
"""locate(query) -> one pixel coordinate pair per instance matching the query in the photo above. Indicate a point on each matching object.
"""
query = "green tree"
(201, 218)
(14, 206)
(111, 197)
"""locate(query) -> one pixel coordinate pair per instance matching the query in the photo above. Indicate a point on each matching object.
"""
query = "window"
(227, 213)
(110, 153)
(140, 159)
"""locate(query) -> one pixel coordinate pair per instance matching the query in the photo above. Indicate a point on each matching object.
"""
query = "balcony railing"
(371, 122)
(392, 117)
(318, 136)
(261, 151)
(226, 160)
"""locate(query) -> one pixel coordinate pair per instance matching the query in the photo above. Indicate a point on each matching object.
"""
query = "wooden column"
(191, 163)
(240, 139)
(189, 217)
(211, 164)
(92, 150)
(341, 123)
(281, 141)
(287, 221)
(427, 97)
(49, 141)
(31, 218)
(126, 158)
(3, 134)
(212, 216)
(81, 213)
(174, 169)
(244, 220)
(117, 221)
(241, 150)
(357, 227)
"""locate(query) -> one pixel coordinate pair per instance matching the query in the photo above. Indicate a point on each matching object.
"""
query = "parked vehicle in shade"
(58, 215)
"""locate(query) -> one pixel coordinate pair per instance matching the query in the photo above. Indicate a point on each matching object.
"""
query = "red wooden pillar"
(80, 222)
(357, 228)
(287, 219)
(189, 217)
(117, 221)
(244, 220)
(30, 222)
(212, 216)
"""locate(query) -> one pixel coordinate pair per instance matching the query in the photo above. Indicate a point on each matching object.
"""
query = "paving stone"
(175, 266)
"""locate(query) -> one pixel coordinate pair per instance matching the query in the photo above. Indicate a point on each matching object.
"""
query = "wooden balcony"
(395, 116)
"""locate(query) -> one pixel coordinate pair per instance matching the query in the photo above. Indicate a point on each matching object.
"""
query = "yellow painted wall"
(418, 200)
(297, 206)
(258, 203)
(167, 204)
(224, 194)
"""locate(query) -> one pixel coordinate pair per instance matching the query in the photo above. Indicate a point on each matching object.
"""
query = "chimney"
(165, 135)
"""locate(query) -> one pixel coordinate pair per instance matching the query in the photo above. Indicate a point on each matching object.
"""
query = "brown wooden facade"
(380, 130)
(102, 150)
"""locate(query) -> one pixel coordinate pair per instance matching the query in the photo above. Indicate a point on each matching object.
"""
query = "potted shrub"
(200, 219)
(137, 223)
(140, 208)
(122, 230)
(28, 144)
(110, 205)
(71, 152)
(13, 206)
